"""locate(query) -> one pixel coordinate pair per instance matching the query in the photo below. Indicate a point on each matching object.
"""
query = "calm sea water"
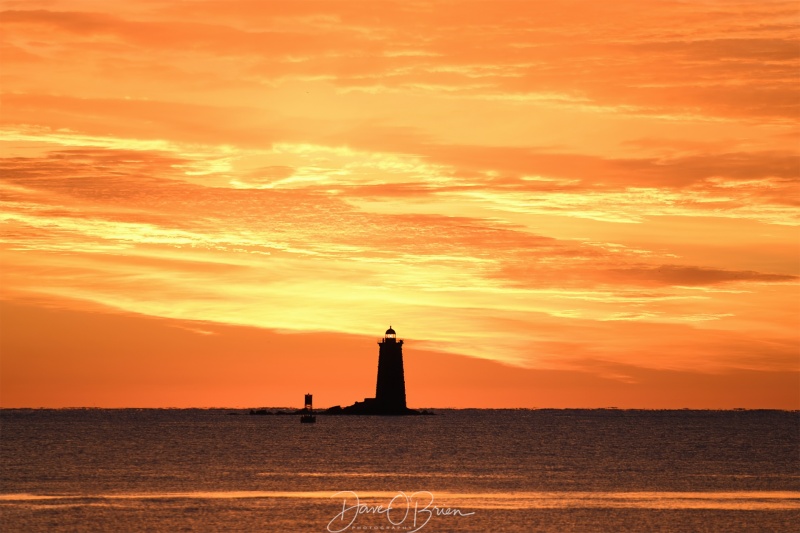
(463, 470)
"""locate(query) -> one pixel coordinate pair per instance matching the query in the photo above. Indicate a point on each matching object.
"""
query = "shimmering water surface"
(466, 470)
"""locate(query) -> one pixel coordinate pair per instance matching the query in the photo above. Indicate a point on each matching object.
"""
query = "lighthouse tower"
(390, 391)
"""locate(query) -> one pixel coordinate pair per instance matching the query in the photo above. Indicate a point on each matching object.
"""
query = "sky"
(556, 203)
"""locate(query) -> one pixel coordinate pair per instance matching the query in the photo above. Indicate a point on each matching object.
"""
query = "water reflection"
(745, 500)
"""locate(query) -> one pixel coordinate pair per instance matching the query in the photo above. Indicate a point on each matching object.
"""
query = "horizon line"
(322, 409)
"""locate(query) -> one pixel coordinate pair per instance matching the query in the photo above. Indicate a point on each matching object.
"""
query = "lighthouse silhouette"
(390, 391)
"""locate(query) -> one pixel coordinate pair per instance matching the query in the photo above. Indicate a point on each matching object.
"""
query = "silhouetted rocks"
(265, 412)
(370, 406)
(366, 407)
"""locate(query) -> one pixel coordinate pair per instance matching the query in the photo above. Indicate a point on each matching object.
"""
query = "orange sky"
(556, 204)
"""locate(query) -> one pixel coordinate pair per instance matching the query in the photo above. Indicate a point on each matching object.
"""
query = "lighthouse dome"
(390, 331)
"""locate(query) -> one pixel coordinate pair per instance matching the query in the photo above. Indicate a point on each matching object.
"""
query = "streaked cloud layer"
(609, 191)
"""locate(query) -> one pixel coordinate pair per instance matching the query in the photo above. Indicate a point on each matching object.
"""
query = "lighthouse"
(390, 390)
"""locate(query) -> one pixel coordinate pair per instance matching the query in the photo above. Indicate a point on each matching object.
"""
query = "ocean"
(461, 470)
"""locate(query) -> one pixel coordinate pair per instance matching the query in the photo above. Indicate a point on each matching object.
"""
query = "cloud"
(190, 123)
(692, 275)
(176, 35)
(601, 58)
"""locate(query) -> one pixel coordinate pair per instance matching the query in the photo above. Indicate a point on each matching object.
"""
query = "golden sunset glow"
(556, 204)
